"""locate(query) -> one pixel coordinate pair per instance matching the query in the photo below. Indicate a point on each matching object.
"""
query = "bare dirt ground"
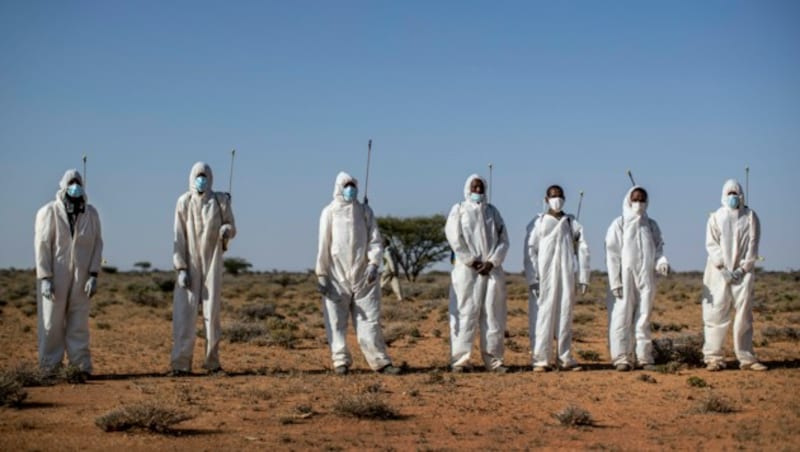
(281, 394)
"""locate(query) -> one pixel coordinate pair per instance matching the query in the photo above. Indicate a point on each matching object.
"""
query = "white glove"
(617, 292)
(91, 286)
(322, 284)
(372, 273)
(47, 289)
(226, 231)
(727, 275)
(534, 288)
(583, 288)
(663, 269)
(183, 279)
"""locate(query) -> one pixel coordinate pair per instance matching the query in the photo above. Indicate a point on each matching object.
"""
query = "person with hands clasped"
(732, 235)
(478, 237)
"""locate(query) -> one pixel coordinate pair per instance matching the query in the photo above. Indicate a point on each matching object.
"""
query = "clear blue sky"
(684, 93)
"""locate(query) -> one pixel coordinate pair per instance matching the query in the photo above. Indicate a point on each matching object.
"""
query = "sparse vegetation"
(715, 404)
(696, 382)
(786, 333)
(74, 375)
(574, 416)
(11, 391)
(147, 416)
(365, 405)
(683, 350)
(589, 355)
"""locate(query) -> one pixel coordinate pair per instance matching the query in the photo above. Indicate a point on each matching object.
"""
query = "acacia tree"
(236, 265)
(143, 265)
(417, 242)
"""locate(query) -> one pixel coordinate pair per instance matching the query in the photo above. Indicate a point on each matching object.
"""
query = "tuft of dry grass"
(696, 382)
(11, 392)
(786, 333)
(365, 403)
(574, 416)
(147, 416)
(716, 404)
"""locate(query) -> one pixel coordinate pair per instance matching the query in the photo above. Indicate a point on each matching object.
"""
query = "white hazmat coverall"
(349, 242)
(200, 220)
(476, 232)
(732, 237)
(634, 249)
(68, 260)
(551, 262)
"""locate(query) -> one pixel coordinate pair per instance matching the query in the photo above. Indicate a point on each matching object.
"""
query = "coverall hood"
(729, 186)
(627, 205)
(201, 168)
(69, 175)
(341, 180)
(468, 183)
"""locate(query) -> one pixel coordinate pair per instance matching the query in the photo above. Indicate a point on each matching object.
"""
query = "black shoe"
(500, 370)
(341, 370)
(217, 372)
(390, 370)
(178, 373)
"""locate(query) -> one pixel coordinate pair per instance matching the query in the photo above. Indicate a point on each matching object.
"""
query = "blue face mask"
(201, 183)
(733, 201)
(74, 190)
(349, 193)
(476, 197)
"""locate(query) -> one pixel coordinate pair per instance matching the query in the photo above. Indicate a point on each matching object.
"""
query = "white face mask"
(556, 204)
(638, 207)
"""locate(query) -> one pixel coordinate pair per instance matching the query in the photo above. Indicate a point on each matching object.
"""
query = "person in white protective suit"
(477, 235)
(554, 248)
(389, 275)
(732, 237)
(69, 246)
(348, 259)
(203, 225)
(634, 253)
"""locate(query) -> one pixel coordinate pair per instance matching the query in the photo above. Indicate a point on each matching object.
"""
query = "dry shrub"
(786, 333)
(647, 378)
(366, 402)
(147, 416)
(11, 392)
(258, 311)
(589, 355)
(574, 416)
(716, 404)
(685, 350)
(28, 375)
(243, 332)
(74, 375)
(696, 382)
